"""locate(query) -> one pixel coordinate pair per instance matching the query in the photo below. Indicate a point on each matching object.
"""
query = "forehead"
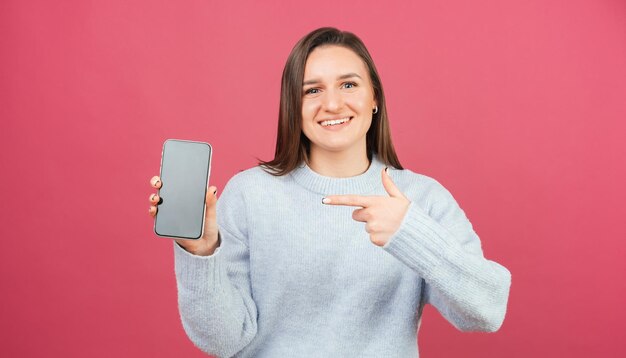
(326, 62)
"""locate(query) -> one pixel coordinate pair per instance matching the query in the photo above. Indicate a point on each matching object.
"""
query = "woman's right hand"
(205, 245)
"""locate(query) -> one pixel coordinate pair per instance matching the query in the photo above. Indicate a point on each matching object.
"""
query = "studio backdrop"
(517, 107)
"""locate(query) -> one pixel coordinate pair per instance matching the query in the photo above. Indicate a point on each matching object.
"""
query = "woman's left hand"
(382, 215)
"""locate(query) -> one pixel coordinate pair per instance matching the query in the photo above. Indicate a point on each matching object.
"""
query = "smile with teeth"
(335, 121)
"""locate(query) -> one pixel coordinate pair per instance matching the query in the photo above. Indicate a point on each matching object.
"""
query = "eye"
(350, 84)
(309, 91)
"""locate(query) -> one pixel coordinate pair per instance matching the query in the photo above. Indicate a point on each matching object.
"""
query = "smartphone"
(185, 170)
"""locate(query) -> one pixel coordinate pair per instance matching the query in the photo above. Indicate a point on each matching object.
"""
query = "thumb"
(390, 187)
(211, 199)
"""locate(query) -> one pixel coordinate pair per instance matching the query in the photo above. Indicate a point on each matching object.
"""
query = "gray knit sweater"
(296, 278)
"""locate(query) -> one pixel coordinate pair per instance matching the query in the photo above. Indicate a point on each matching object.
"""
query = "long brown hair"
(292, 146)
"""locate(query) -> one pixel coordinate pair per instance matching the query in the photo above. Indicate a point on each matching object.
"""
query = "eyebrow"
(347, 75)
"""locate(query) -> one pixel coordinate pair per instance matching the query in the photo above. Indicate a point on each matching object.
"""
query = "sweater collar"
(359, 184)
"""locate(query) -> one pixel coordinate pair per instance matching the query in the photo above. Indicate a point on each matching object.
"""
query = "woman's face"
(337, 100)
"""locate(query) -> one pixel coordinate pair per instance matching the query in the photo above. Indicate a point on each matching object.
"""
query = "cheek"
(308, 116)
(309, 109)
(362, 103)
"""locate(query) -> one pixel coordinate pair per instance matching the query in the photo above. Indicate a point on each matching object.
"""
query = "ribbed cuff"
(421, 242)
(199, 273)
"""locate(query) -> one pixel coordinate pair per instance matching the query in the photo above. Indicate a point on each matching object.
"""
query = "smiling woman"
(330, 76)
(332, 249)
(337, 112)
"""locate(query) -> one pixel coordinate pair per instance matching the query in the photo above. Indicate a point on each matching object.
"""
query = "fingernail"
(152, 197)
(325, 201)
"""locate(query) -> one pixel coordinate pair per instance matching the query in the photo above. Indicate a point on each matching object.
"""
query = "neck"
(343, 164)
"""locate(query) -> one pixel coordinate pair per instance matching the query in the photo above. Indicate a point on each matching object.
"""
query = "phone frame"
(205, 188)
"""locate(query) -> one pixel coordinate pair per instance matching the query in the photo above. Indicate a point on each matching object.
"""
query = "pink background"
(517, 107)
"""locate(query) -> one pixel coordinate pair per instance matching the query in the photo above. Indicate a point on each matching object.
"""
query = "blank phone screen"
(185, 168)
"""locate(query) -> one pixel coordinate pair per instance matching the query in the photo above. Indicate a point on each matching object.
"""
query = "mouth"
(335, 122)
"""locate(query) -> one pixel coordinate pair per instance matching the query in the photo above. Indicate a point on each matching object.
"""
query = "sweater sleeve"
(470, 291)
(214, 294)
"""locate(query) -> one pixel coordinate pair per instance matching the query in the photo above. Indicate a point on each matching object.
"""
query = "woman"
(332, 249)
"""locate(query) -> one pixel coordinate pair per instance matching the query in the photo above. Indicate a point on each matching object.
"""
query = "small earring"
(375, 110)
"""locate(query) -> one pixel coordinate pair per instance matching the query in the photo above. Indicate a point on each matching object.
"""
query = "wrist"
(200, 247)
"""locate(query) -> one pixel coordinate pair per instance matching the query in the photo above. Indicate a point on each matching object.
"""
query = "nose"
(333, 101)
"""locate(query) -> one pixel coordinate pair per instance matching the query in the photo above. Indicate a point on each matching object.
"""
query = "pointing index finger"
(347, 200)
